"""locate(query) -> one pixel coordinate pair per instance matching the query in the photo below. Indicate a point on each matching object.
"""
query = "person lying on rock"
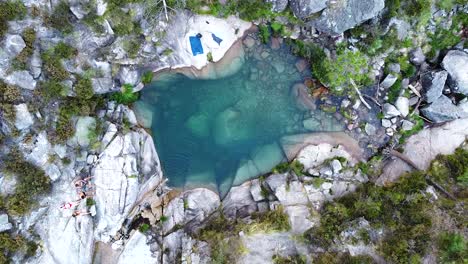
(83, 182)
(80, 213)
(70, 205)
(84, 195)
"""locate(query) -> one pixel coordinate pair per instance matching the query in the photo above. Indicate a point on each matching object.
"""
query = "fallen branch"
(415, 91)
(359, 94)
(372, 99)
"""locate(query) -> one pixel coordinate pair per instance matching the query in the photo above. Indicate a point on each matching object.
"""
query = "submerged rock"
(341, 16)
(456, 64)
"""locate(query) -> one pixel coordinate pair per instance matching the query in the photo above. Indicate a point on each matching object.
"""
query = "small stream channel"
(219, 133)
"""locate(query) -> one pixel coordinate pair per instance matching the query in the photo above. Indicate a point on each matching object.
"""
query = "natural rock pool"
(224, 131)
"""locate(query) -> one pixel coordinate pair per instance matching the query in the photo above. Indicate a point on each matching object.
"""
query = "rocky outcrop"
(456, 63)
(305, 8)
(423, 147)
(343, 15)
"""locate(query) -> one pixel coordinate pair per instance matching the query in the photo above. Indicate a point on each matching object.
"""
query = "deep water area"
(219, 133)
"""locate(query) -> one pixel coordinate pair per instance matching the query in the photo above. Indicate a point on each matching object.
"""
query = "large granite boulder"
(456, 64)
(304, 8)
(343, 15)
(442, 110)
(137, 251)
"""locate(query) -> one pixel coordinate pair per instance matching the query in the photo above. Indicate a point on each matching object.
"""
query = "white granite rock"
(24, 119)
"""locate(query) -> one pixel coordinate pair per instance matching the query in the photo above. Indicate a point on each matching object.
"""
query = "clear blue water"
(222, 132)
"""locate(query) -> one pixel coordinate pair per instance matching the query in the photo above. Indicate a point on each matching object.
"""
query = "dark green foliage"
(52, 61)
(209, 56)
(51, 90)
(32, 181)
(94, 21)
(315, 55)
(10, 245)
(126, 95)
(294, 259)
(264, 32)
(122, 23)
(277, 28)
(147, 77)
(447, 38)
(60, 18)
(9, 93)
(21, 60)
(84, 88)
(249, 10)
(144, 228)
(453, 248)
(418, 126)
(341, 258)
(451, 168)
(163, 218)
(402, 209)
(284, 167)
(64, 51)
(10, 10)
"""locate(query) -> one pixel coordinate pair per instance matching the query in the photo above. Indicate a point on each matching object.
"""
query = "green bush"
(84, 88)
(10, 10)
(10, 245)
(52, 61)
(284, 167)
(51, 90)
(294, 259)
(453, 248)
(21, 60)
(264, 33)
(9, 93)
(122, 23)
(209, 56)
(147, 77)
(64, 51)
(144, 228)
(126, 95)
(60, 18)
(32, 181)
(346, 66)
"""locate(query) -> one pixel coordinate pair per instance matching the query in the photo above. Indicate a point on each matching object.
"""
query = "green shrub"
(277, 28)
(52, 61)
(9, 93)
(347, 65)
(122, 23)
(21, 60)
(453, 248)
(95, 22)
(284, 167)
(10, 10)
(144, 228)
(126, 95)
(209, 56)
(52, 89)
(294, 259)
(84, 88)
(147, 77)
(64, 51)
(32, 181)
(264, 32)
(90, 202)
(10, 244)
(60, 18)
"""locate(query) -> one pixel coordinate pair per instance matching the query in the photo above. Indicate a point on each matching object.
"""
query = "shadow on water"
(222, 132)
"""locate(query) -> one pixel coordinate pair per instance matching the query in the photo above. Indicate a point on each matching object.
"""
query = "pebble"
(386, 123)
(389, 131)
(370, 129)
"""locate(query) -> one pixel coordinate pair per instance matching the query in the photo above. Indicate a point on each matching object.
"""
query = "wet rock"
(311, 124)
(24, 119)
(304, 8)
(370, 129)
(22, 79)
(4, 224)
(417, 56)
(301, 65)
(388, 81)
(433, 83)
(386, 123)
(442, 110)
(407, 125)
(402, 104)
(336, 166)
(278, 5)
(456, 64)
(390, 111)
(338, 18)
(14, 44)
(249, 42)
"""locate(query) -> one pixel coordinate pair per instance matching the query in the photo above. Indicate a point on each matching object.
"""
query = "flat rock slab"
(423, 147)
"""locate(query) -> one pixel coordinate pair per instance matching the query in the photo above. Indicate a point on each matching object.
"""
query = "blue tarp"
(216, 39)
(196, 45)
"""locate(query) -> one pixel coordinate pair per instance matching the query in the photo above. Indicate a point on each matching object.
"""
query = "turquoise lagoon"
(219, 133)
